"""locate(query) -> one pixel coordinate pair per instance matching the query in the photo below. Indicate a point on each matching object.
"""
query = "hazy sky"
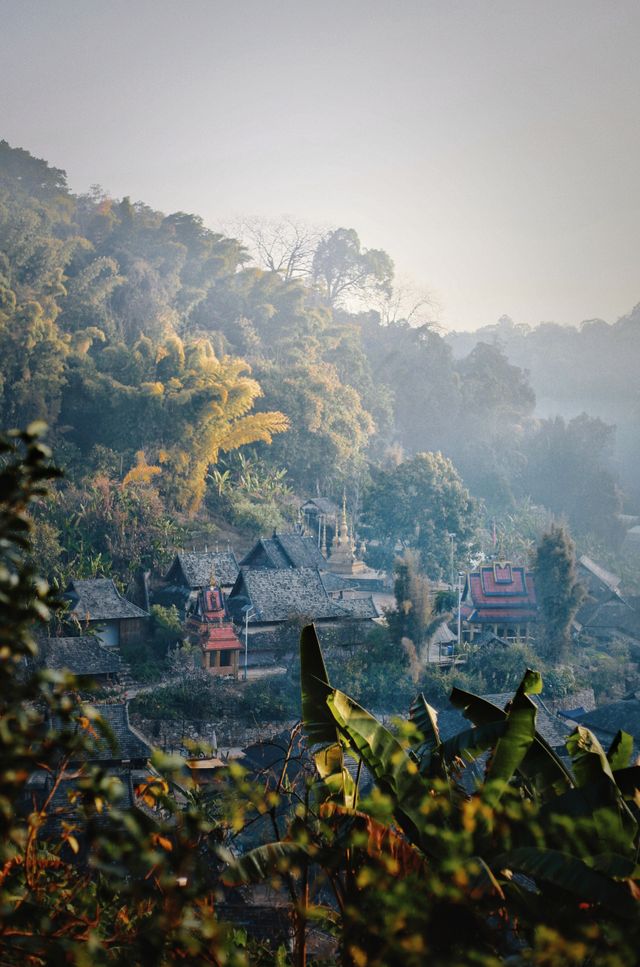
(490, 147)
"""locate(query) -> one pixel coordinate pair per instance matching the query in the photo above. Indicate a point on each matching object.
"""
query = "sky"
(489, 146)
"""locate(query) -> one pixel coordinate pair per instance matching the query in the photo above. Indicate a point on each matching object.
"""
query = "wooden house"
(605, 614)
(320, 516)
(98, 605)
(83, 656)
(191, 571)
(600, 584)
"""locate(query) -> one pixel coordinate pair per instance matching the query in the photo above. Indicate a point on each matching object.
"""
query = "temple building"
(342, 559)
(281, 551)
(499, 597)
(209, 627)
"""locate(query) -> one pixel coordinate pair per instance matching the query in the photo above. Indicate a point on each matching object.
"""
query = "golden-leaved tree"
(176, 401)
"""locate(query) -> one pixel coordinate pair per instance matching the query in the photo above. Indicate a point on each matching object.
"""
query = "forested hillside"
(155, 348)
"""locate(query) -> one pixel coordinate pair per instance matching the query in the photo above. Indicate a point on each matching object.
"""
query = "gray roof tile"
(608, 719)
(278, 594)
(200, 568)
(82, 656)
(99, 600)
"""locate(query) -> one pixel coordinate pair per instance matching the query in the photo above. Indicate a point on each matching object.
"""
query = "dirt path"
(254, 675)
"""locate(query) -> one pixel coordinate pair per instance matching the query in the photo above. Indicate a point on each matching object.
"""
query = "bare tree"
(284, 245)
(407, 302)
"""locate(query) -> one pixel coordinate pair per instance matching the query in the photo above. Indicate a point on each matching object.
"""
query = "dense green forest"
(155, 348)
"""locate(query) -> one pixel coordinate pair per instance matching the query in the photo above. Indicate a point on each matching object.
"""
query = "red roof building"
(209, 627)
(499, 597)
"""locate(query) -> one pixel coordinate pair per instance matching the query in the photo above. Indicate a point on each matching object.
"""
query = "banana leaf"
(587, 757)
(393, 770)
(614, 865)
(519, 733)
(318, 722)
(425, 718)
(574, 877)
(540, 765)
(466, 745)
(620, 751)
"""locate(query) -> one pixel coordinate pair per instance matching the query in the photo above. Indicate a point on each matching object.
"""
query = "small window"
(225, 659)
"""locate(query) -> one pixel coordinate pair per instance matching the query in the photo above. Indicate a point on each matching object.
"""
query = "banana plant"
(602, 790)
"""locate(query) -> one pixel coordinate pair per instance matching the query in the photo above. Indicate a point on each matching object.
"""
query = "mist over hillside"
(592, 368)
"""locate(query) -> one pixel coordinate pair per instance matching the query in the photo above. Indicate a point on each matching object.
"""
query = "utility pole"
(452, 538)
(248, 611)
(460, 576)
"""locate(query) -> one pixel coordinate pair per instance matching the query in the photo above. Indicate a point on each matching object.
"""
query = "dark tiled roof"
(99, 600)
(360, 607)
(82, 656)
(265, 553)
(201, 568)
(301, 551)
(608, 719)
(612, 615)
(284, 551)
(128, 744)
(604, 577)
(334, 582)
(277, 594)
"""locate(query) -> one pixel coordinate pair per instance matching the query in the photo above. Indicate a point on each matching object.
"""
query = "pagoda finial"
(343, 536)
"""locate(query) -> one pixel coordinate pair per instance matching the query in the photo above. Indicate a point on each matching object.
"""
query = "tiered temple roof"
(499, 594)
(209, 623)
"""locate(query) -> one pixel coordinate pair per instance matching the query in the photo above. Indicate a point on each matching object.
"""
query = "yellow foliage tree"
(179, 405)
(142, 473)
